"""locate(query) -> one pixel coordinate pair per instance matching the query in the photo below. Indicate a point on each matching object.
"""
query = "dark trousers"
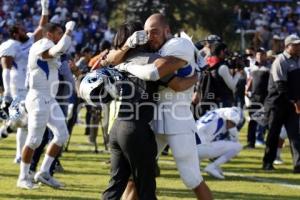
(285, 115)
(252, 126)
(133, 152)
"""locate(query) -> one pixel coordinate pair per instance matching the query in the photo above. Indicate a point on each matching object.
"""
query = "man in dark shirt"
(257, 90)
(283, 102)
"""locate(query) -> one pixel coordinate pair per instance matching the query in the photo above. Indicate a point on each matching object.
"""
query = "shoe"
(213, 171)
(268, 167)
(296, 170)
(220, 170)
(164, 153)
(47, 179)
(26, 183)
(278, 161)
(17, 160)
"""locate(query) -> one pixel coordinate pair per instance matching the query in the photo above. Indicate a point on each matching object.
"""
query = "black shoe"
(164, 153)
(268, 167)
(296, 170)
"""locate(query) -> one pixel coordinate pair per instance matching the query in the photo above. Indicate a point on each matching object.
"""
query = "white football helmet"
(17, 113)
(99, 86)
(233, 114)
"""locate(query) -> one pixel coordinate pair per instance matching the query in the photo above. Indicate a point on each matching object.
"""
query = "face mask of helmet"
(100, 86)
(17, 114)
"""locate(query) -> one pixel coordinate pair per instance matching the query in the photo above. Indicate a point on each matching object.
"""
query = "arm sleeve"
(278, 72)
(8, 48)
(230, 80)
(6, 81)
(282, 90)
(279, 75)
(146, 72)
(61, 47)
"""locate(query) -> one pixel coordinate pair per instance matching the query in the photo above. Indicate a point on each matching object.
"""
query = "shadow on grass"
(168, 192)
(39, 197)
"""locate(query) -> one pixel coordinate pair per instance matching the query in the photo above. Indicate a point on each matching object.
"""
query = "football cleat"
(47, 179)
(26, 183)
(213, 171)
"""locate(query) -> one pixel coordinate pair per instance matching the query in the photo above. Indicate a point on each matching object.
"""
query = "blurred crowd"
(271, 22)
(89, 15)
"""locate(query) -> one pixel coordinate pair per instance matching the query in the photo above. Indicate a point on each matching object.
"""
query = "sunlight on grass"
(87, 174)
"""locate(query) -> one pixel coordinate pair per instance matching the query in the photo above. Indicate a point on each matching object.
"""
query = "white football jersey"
(43, 73)
(174, 114)
(19, 51)
(212, 127)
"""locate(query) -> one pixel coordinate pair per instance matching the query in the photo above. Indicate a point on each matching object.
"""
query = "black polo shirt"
(286, 70)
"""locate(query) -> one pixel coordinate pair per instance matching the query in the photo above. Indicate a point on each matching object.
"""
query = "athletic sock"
(45, 167)
(278, 153)
(24, 170)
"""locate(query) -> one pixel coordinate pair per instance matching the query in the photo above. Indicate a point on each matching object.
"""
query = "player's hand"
(101, 60)
(45, 7)
(137, 38)
(70, 25)
(297, 106)
(121, 67)
(195, 98)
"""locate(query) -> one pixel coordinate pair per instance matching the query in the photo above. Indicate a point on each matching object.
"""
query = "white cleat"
(220, 170)
(213, 171)
(17, 160)
(26, 184)
(47, 179)
(278, 161)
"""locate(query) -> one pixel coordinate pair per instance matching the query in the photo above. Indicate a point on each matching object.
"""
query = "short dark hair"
(50, 27)
(13, 30)
(124, 31)
(104, 45)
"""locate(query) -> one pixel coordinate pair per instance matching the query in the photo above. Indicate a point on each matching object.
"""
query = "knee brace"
(61, 138)
(34, 141)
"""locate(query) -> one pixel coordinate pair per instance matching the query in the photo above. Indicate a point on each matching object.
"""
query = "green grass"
(86, 176)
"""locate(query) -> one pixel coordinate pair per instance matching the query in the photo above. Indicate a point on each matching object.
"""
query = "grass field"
(86, 176)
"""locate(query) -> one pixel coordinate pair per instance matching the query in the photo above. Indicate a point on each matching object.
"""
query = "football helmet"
(233, 114)
(17, 113)
(101, 86)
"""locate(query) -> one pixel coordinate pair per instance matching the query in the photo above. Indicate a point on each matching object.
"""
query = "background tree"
(197, 17)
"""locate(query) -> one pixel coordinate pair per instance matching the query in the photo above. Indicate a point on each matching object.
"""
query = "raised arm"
(6, 62)
(116, 56)
(38, 33)
(63, 45)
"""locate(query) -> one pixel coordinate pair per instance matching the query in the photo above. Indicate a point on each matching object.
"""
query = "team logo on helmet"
(101, 86)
